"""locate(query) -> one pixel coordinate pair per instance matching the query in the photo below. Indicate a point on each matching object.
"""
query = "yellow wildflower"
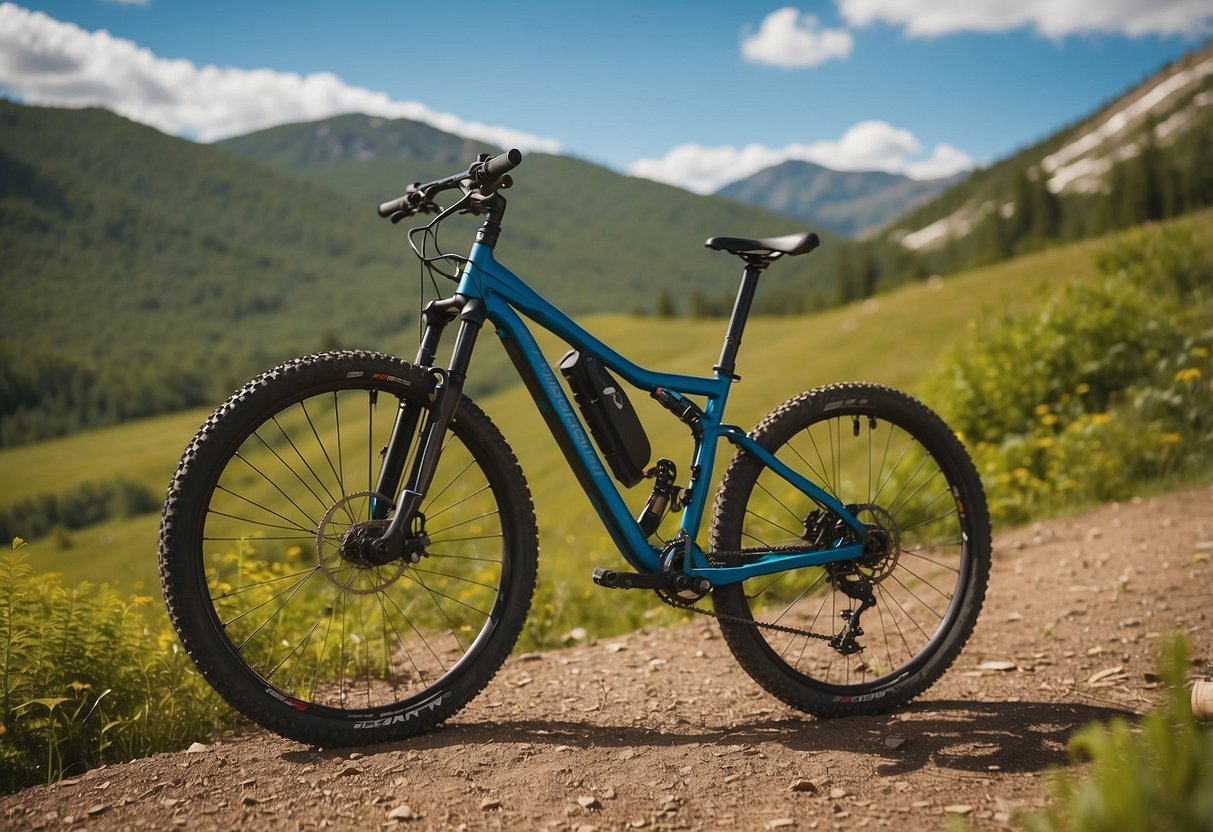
(1187, 375)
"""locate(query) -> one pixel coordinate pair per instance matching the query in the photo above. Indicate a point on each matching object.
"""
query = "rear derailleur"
(856, 586)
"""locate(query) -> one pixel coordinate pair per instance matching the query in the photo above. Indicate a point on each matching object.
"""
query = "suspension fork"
(437, 315)
(442, 408)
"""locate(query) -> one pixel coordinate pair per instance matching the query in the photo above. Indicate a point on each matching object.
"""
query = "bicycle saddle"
(791, 244)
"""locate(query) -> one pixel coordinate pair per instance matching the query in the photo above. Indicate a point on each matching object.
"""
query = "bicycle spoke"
(296, 474)
(258, 584)
(453, 577)
(459, 503)
(408, 622)
(292, 590)
(935, 519)
(432, 592)
(943, 594)
(434, 554)
(434, 499)
(917, 553)
(434, 532)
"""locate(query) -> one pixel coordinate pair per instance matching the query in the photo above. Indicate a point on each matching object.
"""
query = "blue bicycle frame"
(496, 293)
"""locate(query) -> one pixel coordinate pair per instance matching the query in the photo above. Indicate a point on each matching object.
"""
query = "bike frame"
(490, 291)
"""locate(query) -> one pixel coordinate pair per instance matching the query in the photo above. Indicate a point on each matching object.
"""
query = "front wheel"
(265, 566)
(904, 474)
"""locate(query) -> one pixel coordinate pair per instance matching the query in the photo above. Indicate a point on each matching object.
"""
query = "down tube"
(566, 429)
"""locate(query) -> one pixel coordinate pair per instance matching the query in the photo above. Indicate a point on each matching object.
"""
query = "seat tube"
(741, 311)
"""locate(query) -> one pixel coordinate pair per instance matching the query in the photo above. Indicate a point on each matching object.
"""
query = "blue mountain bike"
(348, 548)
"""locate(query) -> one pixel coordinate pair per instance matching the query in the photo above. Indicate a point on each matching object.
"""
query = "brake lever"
(426, 207)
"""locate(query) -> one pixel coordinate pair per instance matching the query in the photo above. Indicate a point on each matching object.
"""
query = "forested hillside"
(144, 273)
(1148, 155)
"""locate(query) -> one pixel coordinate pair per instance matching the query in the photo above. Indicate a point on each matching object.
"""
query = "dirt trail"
(661, 730)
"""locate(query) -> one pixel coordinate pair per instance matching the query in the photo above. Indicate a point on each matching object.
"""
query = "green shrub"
(1169, 259)
(1105, 389)
(86, 678)
(1156, 777)
(1085, 347)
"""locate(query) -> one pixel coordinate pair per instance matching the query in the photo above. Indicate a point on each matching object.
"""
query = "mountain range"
(144, 273)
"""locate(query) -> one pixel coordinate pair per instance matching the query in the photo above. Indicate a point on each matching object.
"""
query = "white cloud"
(789, 40)
(1051, 18)
(945, 160)
(44, 61)
(869, 145)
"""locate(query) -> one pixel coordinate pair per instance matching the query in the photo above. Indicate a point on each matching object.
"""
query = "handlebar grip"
(386, 209)
(500, 165)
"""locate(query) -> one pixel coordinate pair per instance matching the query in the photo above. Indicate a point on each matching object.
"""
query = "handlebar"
(500, 165)
(483, 175)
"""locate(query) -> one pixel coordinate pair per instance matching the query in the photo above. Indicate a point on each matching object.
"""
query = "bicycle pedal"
(614, 579)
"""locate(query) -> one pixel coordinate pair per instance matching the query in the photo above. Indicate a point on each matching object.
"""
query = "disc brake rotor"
(341, 541)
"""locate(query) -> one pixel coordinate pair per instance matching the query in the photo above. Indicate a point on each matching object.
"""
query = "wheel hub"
(883, 547)
(356, 544)
(344, 547)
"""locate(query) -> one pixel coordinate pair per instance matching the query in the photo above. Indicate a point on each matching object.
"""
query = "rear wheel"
(264, 567)
(904, 474)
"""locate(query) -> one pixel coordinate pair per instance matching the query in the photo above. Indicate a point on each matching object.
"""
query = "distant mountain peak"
(354, 137)
(852, 203)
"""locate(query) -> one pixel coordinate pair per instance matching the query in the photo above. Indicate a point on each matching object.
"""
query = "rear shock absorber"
(664, 496)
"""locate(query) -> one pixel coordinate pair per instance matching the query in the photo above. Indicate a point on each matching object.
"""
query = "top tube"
(484, 277)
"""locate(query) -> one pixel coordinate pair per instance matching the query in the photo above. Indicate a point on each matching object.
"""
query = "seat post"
(741, 311)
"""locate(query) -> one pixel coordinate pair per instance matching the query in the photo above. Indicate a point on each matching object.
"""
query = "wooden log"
(1202, 701)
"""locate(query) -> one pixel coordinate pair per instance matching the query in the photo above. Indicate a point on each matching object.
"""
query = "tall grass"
(87, 677)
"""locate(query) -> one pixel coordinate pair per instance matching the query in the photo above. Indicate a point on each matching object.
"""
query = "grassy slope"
(893, 340)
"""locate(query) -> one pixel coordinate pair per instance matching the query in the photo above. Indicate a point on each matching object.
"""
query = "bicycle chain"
(724, 616)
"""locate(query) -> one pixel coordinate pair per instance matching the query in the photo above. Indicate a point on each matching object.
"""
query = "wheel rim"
(899, 488)
(326, 632)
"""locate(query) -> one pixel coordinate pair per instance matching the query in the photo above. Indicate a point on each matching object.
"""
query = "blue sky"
(692, 93)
